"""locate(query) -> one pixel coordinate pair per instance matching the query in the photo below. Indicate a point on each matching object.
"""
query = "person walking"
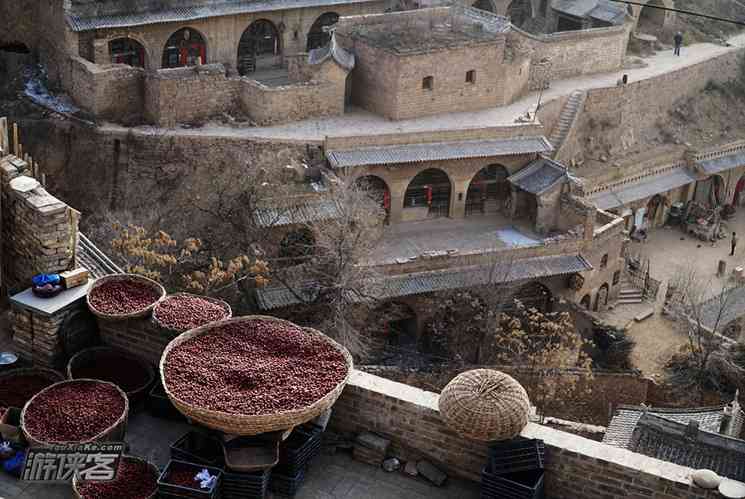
(678, 39)
(734, 244)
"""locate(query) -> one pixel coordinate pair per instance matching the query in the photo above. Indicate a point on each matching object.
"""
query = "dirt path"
(359, 122)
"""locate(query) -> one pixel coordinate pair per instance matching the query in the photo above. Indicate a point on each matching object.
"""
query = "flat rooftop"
(418, 37)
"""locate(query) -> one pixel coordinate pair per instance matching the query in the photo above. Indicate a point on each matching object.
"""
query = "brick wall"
(576, 467)
(137, 336)
(184, 95)
(38, 231)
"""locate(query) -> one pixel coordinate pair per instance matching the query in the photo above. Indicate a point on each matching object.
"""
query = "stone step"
(630, 294)
(644, 314)
(629, 301)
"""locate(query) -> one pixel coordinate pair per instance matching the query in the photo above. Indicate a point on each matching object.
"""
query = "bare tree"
(704, 318)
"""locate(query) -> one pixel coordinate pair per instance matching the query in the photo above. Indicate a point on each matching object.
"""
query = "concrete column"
(458, 198)
(397, 204)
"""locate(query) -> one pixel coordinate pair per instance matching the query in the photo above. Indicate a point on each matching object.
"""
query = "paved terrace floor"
(335, 476)
(476, 233)
(359, 122)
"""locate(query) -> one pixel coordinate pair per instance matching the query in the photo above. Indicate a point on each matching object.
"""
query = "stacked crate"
(515, 470)
(295, 455)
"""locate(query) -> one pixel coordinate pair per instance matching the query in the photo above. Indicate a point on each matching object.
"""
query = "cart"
(702, 222)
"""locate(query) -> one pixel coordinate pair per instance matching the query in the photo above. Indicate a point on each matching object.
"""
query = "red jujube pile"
(15, 391)
(183, 475)
(74, 411)
(183, 312)
(122, 297)
(253, 367)
(134, 480)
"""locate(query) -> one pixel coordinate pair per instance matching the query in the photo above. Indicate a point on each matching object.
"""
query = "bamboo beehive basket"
(225, 306)
(486, 405)
(114, 433)
(156, 473)
(241, 424)
(125, 277)
(89, 354)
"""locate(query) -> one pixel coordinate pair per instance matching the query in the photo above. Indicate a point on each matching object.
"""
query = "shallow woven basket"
(125, 277)
(238, 424)
(223, 304)
(486, 405)
(89, 354)
(114, 433)
(153, 468)
(50, 374)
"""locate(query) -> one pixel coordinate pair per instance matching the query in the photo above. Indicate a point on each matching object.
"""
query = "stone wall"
(576, 467)
(39, 232)
(113, 92)
(185, 95)
(137, 336)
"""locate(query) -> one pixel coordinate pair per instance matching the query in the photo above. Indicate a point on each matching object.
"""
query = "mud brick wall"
(276, 105)
(190, 94)
(39, 232)
(576, 467)
(138, 336)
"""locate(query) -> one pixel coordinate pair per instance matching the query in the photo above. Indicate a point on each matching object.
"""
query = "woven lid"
(484, 404)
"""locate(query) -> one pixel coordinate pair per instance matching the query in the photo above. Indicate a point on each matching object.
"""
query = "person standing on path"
(678, 39)
(734, 243)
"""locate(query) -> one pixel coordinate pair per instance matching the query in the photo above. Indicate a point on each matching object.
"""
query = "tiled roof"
(427, 282)
(184, 14)
(539, 176)
(602, 10)
(626, 193)
(723, 163)
(437, 151)
(333, 51)
(624, 422)
(297, 214)
(93, 259)
(669, 441)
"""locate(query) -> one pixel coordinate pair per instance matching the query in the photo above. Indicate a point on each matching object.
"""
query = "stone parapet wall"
(275, 105)
(576, 467)
(39, 232)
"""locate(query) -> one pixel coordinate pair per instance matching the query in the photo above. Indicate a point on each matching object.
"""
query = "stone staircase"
(629, 294)
(566, 120)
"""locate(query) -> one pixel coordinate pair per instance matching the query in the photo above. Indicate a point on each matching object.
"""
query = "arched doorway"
(486, 5)
(487, 191)
(259, 47)
(533, 295)
(601, 299)
(400, 325)
(297, 245)
(586, 302)
(127, 51)
(651, 19)
(317, 37)
(186, 47)
(519, 11)
(377, 189)
(430, 188)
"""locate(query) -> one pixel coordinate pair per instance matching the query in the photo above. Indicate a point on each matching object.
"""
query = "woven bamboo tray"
(50, 374)
(156, 473)
(88, 355)
(223, 304)
(125, 277)
(239, 424)
(114, 433)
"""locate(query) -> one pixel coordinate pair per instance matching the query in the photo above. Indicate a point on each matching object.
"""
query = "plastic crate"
(196, 447)
(286, 485)
(168, 490)
(516, 455)
(159, 405)
(298, 450)
(253, 485)
(527, 484)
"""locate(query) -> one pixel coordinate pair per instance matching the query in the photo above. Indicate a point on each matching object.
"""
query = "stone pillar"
(397, 203)
(458, 198)
(101, 53)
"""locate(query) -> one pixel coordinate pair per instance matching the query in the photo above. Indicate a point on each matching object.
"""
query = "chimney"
(691, 431)
(732, 418)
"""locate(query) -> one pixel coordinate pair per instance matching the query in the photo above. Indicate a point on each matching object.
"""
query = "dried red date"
(181, 312)
(122, 297)
(15, 391)
(183, 475)
(134, 480)
(74, 411)
(257, 367)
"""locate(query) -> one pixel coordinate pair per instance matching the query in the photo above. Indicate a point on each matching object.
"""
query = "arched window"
(488, 190)
(317, 37)
(127, 51)
(586, 302)
(651, 19)
(430, 188)
(186, 47)
(259, 47)
(601, 299)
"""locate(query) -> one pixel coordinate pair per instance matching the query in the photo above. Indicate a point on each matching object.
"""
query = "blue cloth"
(42, 279)
(14, 465)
